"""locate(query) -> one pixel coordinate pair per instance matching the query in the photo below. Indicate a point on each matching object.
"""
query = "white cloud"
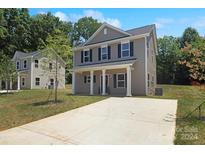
(62, 16)
(162, 22)
(199, 23)
(96, 15)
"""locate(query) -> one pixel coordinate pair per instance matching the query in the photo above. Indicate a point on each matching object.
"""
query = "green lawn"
(30, 105)
(189, 130)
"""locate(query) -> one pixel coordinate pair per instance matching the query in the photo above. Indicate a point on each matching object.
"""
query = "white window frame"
(104, 46)
(86, 56)
(24, 64)
(36, 64)
(38, 81)
(125, 42)
(121, 80)
(88, 79)
(18, 62)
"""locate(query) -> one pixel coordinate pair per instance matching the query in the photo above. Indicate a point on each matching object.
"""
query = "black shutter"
(131, 49)
(119, 50)
(85, 79)
(94, 78)
(109, 52)
(114, 81)
(91, 55)
(126, 80)
(99, 54)
(81, 56)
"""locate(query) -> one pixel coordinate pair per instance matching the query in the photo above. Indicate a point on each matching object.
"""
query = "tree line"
(19, 31)
(181, 60)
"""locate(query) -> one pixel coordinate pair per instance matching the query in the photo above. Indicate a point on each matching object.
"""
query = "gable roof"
(101, 27)
(20, 55)
(141, 30)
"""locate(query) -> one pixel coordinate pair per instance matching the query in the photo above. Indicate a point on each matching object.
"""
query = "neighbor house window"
(18, 65)
(25, 64)
(22, 81)
(104, 53)
(52, 82)
(86, 56)
(125, 49)
(50, 66)
(120, 80)
(37, 81)
(36, 63)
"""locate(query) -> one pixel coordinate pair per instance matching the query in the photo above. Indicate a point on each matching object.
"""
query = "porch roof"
(101, 66)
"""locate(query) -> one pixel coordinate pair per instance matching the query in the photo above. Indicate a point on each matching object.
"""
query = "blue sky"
(168, 21)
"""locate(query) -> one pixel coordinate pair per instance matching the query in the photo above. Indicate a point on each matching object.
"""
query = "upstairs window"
(125, 49)
(18, 65)
(86, 56)
(104, 53)
(25, 64)
(36, 63)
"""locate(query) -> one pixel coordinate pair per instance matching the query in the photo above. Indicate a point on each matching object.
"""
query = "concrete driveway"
(112, 121)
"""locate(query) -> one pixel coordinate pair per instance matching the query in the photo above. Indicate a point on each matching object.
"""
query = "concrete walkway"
(112, 121)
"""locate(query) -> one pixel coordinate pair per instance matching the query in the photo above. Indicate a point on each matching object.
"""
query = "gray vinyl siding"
(111, 34)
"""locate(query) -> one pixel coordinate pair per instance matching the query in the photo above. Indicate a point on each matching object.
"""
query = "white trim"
(91, 82)
(101, 27)
(146, 88)
(111, 41)
(104, 82)
(73, 82)
(32, 72)
(120, 80)
(129, 81)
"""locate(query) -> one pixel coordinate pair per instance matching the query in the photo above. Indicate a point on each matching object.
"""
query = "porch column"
(91, 82)
(103, 82)
(73, 82)
(11, 84)
(6, 82)
(18, 82)
(129, 88)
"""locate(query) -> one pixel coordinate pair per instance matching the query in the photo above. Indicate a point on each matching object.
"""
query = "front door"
(106, 84)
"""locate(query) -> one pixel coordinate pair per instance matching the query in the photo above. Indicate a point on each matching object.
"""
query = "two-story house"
(35, 71)
(116, 62)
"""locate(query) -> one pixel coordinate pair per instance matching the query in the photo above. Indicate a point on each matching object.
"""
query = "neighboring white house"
(34, 73)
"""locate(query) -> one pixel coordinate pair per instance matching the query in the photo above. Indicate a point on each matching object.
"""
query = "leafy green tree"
(60, 43)
(7, 69)
(189, 35)
(167, 58)
(83, 29)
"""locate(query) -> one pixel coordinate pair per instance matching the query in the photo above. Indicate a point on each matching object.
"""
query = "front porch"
(103, 80)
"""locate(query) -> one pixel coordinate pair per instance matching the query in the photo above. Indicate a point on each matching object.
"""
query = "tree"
(7, 69)
(60, 43)
(189, 35)
(195, 62)
(83, 29)
(167, 58)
